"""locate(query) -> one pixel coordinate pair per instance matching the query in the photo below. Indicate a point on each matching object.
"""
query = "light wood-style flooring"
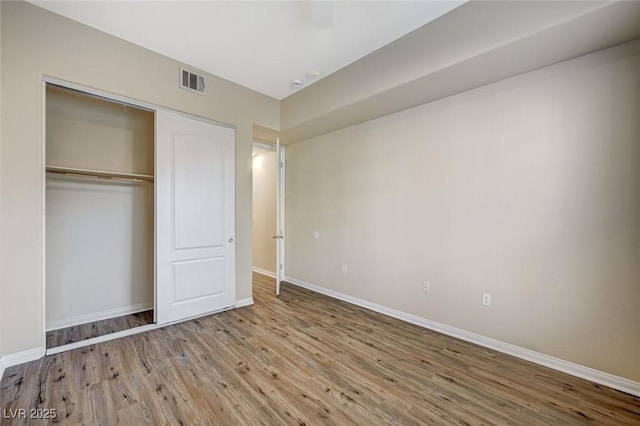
(81, 332)
(304, 359)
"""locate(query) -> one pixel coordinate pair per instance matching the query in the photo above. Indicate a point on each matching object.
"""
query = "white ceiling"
(262, 45)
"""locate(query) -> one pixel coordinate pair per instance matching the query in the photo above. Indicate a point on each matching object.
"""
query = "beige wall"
(264, 211)
(91, 133)
(527, 189)
(36, 43)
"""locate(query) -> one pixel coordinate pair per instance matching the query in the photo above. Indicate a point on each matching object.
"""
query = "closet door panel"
(195, 217)
(199, 192)
(193, 278)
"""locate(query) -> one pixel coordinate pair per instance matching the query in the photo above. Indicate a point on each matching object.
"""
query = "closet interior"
(99, 216)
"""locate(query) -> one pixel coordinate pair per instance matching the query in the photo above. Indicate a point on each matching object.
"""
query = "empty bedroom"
(319, 212)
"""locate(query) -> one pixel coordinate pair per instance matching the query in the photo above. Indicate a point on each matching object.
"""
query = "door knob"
(230, 240)
(278, 237)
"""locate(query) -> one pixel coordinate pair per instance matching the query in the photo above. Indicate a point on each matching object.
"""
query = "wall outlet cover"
(486, 299)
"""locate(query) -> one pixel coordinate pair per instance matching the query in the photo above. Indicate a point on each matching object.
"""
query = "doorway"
(264, 209)
(268, 212)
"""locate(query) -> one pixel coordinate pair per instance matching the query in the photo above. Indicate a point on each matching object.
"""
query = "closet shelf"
(100, 174)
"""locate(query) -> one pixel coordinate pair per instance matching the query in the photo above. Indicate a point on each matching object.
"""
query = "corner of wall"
(21, 357)
(241, 303)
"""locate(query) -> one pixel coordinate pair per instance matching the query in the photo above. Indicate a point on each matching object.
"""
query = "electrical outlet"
(426, 287)
(345, 270)
(486, 299)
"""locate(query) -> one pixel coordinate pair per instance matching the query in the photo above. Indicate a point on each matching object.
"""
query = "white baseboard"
(264, 272)
(606, 379)
(98, 316)
(244, 302)
(21, 357)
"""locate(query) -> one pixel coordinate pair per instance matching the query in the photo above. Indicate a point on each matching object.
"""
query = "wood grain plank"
(302, 358)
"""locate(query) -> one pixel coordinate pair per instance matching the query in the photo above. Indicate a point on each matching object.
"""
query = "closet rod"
(128, 177)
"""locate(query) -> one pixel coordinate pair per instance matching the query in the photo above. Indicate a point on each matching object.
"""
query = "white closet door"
(195, 217)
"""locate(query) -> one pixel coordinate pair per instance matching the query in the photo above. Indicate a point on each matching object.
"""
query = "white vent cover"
(192, 81)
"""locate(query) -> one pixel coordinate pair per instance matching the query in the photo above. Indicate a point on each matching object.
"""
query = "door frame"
(45, 80)
(280, 191)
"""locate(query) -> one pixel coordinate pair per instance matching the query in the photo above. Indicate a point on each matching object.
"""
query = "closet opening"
(99, 216)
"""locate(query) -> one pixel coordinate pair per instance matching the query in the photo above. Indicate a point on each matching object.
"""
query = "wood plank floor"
(300, 359)
(81, 332)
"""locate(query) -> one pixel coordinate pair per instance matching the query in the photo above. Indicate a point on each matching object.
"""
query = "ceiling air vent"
(192, 81)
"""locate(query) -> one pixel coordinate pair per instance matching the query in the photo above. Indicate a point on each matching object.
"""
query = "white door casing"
(195, 217)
